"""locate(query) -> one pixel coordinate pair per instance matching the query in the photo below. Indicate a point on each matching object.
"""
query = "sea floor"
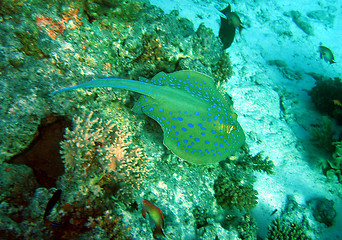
(273, 61)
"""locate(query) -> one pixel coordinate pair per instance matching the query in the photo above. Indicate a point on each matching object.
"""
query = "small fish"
(337, 102)
(52, 202)
(156, 215)
(228, 26)
(274, 211)
(326, 54)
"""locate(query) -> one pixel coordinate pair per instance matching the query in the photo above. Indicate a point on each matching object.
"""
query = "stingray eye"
(229, 129)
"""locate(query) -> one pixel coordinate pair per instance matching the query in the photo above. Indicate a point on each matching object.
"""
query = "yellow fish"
(326, 54)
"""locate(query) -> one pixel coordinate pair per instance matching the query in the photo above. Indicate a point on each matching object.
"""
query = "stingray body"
(198, 123)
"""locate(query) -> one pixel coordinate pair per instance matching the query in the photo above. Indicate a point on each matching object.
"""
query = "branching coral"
(256, 163)
(292, 223)
(232, 191)
(234, 186)
(79, 148)
(247, 227)
(126, 162)
(97, 154)
(285, 230)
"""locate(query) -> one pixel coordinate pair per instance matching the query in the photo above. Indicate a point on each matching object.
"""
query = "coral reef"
(337, 155)
(247, 227)
(292, 223)
(17, 184)
(71, 43)
(87, 220)
(323, 210)
(235, 194)
(233, 191)
(323, 134)
(285, 230)
(234, 186)
(302, 22)
(106, 169)
(334, 164)
(98, 155)
(326, 96)
(324, 137)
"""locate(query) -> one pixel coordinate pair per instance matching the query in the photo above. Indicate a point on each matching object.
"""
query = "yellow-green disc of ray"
(198, 123)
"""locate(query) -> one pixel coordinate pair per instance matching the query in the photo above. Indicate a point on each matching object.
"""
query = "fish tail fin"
(158, 232)
(143, 213)
(240, 29)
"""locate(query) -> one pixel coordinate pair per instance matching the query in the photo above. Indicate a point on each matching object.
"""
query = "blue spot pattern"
(199, 124)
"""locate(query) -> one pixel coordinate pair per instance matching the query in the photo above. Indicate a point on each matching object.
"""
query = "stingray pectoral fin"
(185, 156)
(135, 86)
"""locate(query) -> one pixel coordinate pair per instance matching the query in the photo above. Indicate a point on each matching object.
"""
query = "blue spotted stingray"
(199, 125)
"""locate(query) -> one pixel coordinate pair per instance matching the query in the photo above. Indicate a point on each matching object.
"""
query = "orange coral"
(73, 15)
(51, 27)
(107, 67)
(54, 28)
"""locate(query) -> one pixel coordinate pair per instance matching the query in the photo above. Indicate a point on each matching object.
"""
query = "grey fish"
(228, 26)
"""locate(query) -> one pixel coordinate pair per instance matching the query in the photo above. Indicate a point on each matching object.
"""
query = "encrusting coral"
(335, 163)
(338, 154)
(79, 40)
(46, 50)
(326, 96)
(324, 137)
(323, 134)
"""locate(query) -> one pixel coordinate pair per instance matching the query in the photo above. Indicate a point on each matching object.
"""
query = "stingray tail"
(135, 86)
